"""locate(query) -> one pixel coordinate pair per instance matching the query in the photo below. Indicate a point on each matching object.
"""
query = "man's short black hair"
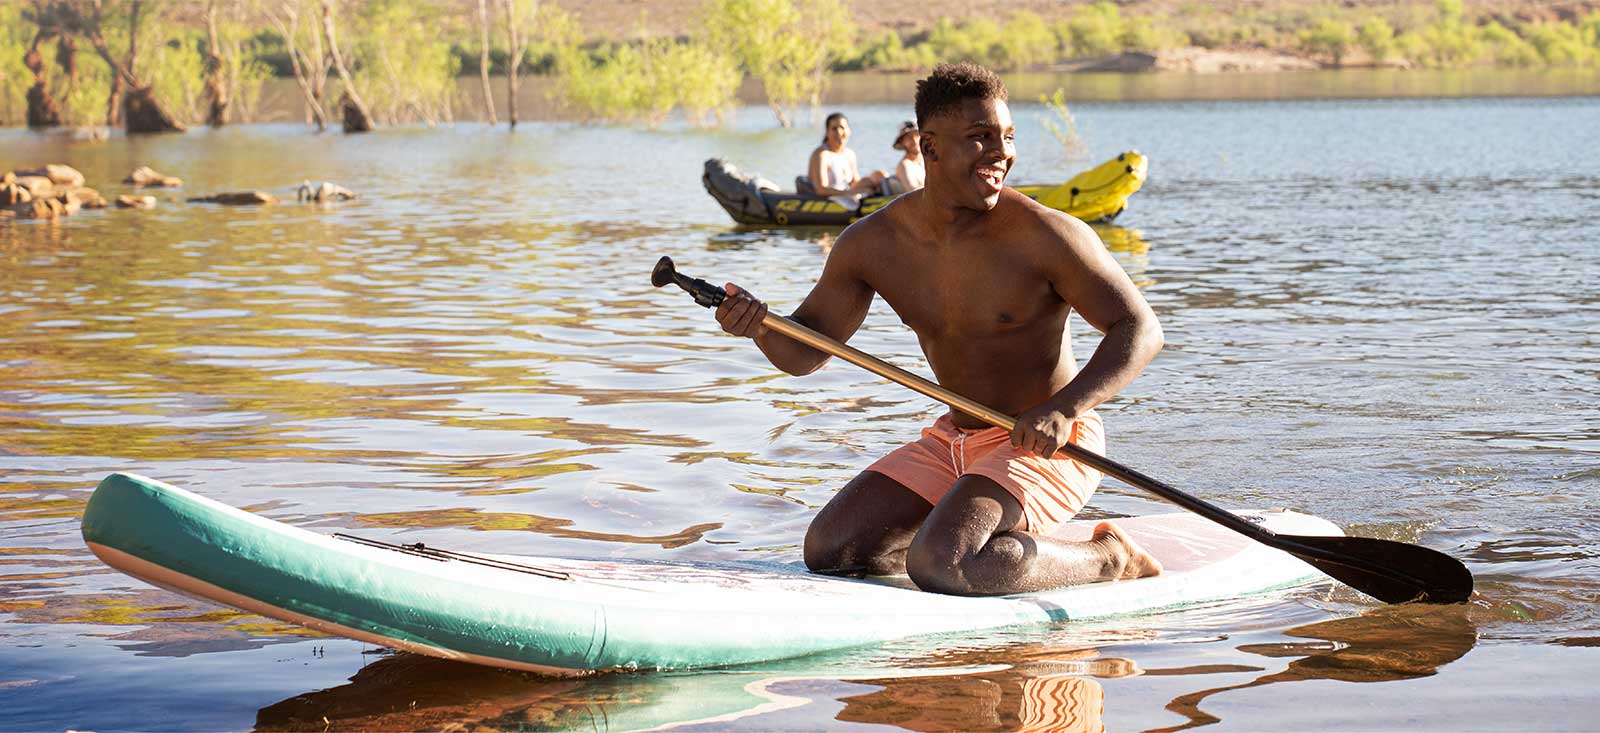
(951, 84)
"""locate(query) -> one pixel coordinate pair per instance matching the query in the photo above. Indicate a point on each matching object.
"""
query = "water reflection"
(1058, 691)
(1384, 645)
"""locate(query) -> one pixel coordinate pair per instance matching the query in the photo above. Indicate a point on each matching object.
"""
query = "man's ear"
(927, 144)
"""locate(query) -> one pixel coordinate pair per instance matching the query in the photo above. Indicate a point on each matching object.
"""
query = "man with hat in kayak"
(909, 173)
(986, 278)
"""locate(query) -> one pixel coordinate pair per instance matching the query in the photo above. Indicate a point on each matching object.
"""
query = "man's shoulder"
(1025, 215)
(879, 229)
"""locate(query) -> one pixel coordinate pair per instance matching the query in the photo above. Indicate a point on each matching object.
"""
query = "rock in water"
(238, 198)
(144, 176)
(64, 176)
(136, 202)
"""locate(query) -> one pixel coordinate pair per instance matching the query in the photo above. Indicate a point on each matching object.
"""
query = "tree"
(778, 45)
(141, 111)
(310, 68)
(517, 13)
(42, 108)
(216, 85)
(483, 61)
(352, 110)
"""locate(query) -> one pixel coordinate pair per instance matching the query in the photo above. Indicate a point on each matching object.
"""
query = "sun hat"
(906, 128)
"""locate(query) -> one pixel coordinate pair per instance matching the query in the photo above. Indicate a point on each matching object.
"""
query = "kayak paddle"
(1390, 571)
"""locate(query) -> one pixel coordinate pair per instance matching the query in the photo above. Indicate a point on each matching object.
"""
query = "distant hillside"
(620, 19)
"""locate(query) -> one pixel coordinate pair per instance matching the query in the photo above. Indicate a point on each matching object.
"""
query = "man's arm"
(1091, 281)
(835, 307)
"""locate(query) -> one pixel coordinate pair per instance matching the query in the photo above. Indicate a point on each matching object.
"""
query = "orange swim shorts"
(1051, 490)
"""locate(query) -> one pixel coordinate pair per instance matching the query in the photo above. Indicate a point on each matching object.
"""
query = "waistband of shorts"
(946, 425)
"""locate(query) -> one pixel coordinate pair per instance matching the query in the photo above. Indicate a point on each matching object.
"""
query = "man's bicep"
(838, 303)
(1092, 281)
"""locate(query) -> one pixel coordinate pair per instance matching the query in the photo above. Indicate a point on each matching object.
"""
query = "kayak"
(1096, 195)
(564, 616)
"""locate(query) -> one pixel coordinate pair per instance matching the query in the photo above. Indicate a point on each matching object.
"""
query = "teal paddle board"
(558, 615)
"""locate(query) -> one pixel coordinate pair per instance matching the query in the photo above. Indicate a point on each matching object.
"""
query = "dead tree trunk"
(141, 111)
(357, 118)
(114, 102)
(42, 108)
(310, 71)
(514, 48)
(483, 60)
(216, 86)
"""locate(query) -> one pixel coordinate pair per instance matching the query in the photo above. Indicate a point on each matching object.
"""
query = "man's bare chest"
(967, 297)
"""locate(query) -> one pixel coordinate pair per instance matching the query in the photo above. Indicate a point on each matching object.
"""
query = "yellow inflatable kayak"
(1095, 195)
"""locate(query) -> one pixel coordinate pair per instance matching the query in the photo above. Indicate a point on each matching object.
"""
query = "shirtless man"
(986, 278)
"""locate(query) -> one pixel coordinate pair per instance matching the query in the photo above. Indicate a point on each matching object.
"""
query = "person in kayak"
(909, 173)
(986, 278)
(833, 171)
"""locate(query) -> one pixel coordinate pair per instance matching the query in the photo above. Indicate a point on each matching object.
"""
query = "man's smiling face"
(971, 150)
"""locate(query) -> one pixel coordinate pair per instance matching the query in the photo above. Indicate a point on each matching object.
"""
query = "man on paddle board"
(986, 278)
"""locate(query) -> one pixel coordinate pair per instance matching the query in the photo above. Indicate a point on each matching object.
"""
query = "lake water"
(1383, 312)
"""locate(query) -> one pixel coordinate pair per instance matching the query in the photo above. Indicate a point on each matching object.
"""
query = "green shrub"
(1561, 44)
(1507, 48)
(1025, 41)
(176, 69)
(1376, 37)
(639, 82)
(1094, 30)
(1330, 38)
(402, 63)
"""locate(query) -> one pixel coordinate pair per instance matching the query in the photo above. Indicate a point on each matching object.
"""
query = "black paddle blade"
(1392, 572)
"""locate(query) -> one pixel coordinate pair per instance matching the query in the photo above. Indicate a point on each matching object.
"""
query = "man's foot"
(1129, 560)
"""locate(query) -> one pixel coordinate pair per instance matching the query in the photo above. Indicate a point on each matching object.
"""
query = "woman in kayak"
(833, 170)
(908, 175)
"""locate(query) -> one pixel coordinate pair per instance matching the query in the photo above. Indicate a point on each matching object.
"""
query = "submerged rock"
(144, 176)
(12, 194)
(39, 186)
(136, 202)
(239, 198)
(90, 198)
(40, 208)
(58, 174)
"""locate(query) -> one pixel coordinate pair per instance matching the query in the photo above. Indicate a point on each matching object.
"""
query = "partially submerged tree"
(217, 89)
(483, 61)
(43, 111)
(518, 13)
(310, 66)
(140, 109)
(402, 61)
(352, 110)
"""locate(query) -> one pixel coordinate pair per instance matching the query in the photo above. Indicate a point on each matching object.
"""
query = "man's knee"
(935, 566)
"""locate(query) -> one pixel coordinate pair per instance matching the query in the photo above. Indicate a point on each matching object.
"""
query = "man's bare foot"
(1135, 561)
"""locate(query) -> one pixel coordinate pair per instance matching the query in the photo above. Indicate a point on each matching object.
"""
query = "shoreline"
(1219, 77)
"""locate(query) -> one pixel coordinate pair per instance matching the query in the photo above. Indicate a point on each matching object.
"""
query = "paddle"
(1392, 572)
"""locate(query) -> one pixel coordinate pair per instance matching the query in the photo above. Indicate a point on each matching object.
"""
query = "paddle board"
(557, 615)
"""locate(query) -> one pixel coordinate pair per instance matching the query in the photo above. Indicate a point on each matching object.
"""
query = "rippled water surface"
(1382, 312)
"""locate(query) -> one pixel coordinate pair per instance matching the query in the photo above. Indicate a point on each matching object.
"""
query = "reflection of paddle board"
(564, 615)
